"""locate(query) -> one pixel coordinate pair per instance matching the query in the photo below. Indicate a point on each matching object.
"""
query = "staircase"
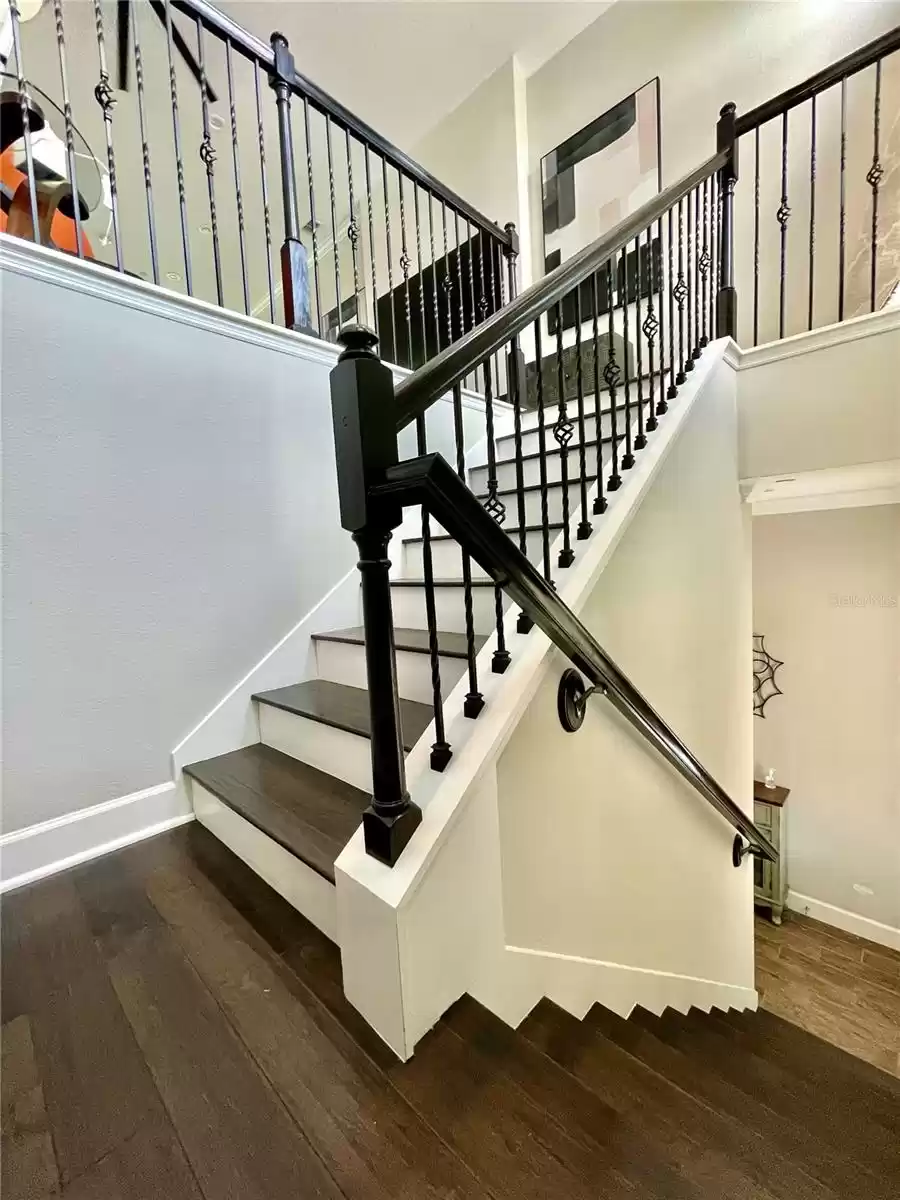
(308, 781)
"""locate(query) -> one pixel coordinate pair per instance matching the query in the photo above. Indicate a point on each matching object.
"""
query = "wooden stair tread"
(573, 481)
(441, 583)
(450, 645)
(309, 813)
(574, 448)
(344, 707)
(509, 529)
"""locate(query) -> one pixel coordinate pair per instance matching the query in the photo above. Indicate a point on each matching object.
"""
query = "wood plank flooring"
(173, 1030)
(837, 986)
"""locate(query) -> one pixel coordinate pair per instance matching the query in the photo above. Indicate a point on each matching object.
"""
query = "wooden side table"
(770, 879)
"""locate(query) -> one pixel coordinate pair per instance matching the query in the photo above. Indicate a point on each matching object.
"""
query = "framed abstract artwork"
(596, 178)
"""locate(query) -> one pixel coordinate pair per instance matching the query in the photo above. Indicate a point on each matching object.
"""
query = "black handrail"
(858, 60)
(432, 482)
(419, 391)
(254, 49)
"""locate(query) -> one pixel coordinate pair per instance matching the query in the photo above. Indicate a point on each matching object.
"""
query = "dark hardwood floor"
(839, 987)
(172, 1029)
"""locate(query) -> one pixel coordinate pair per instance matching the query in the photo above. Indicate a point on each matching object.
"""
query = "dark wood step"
(310, 814)
(812, 1058)
(714, 1151)
(632, 1154)
(550, 451)
(822, 1111)
(574, 481)
(415, 641)
(818, 1157)
(441, 583)
(344, 707)
(509, 529)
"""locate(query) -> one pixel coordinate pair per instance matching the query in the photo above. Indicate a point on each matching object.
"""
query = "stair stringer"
(416, 937)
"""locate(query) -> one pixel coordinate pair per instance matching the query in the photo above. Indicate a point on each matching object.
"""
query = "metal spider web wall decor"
(764, 667)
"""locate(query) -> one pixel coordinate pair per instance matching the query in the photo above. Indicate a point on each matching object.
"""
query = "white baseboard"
(842, 918)
(40, 850)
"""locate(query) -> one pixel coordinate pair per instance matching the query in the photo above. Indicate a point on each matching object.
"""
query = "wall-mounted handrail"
(254, 49)
(858, 60)
(432, 482)
(421, 389)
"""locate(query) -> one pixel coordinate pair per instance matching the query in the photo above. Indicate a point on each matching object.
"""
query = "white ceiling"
(401, 65)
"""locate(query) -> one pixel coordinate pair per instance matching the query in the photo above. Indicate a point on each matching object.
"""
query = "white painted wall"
(607, 854)
(824, 400)
(826, 594)
(170, 513)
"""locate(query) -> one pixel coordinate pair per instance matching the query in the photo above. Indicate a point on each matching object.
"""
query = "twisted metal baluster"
(370, 208)
(103, 94)
(474, 701)
(471, 273)
(145, 147)
(562, 433)
(434, 278)
(334, 237)
(267, 220)
(611, 376)
(496, 290)
(628, 456)
(238, 194)
(70, 125)
(22, 87)
(404, 267)
(440, 749)
(421, 272)
(842, 247)
(542, 453)
(390, 266)
(459, 277)
(812, 209)
(680, 292)
(673, 386)
(783, 216)
(179, 160)
(447, 282)
(651, 328)
(313, 223)
(497, 510)
(697, 274)
(717, 244)
(874, 177)
(704, 266)
(584, 525)
(208, 158)
(641, 440)
(661, 405)
(353, 227)
(689, 282)
(600, 502)
(755, 241)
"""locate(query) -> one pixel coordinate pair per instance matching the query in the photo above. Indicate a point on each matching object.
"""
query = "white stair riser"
(347, 756)
(554, 504)
(531, 473)
(446, 559)
(408, 604)
(302, 887)
(345, 663)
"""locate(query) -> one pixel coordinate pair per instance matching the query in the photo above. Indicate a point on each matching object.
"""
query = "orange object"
(18, 222)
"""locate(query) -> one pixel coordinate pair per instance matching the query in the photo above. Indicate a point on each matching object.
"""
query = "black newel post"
(294, 266)
(726, 296)
(365, 443)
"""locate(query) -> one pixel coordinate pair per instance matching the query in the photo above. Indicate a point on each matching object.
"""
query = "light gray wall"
(170, 512)
(826, 595)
